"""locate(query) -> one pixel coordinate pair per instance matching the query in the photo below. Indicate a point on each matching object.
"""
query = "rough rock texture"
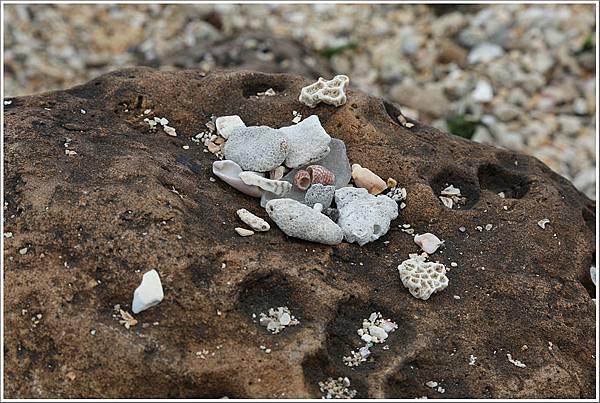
(91, 220)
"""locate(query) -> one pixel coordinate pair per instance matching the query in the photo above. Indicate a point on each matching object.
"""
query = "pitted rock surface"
(133, 200)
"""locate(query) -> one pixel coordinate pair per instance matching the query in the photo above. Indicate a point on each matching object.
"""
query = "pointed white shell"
(280, 188)
(229, 172)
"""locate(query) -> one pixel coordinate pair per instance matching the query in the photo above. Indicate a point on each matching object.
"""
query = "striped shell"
(302, 179)
(320, 174)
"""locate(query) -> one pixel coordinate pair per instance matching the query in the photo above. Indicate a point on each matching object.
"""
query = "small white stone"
(149, 292)
(244, 231)
(83, 112)
(285, 319)
(23, 251)
(453, 264)
(170, 131)
(378, 332)
(542, 223)
(483, 92)
(186, 147)
(366, 338)
(431, 384)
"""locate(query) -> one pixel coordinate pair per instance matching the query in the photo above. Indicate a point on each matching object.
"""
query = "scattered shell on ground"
(365, 178)
(253, 221)
(226, 124)
(280, 188)
(307, 142)
(320, 174)
(332, 92)
(302, 179)
(244, 231)
(229, 172)
(300, 221)
(428, 242)
(391, 183)
(149, 292)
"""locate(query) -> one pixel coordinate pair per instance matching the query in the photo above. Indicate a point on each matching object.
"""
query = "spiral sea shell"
(320, 174)
(302, 179)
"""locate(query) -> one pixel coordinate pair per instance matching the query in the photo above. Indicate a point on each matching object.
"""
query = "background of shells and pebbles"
(516, 76)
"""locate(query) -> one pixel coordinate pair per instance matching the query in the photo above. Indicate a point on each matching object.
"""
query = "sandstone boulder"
(86, 226)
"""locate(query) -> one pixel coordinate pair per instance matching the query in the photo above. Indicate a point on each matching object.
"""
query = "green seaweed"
(462, 125)
(329, 52)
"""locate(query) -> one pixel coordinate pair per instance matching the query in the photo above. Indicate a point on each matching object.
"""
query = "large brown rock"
(92, 223)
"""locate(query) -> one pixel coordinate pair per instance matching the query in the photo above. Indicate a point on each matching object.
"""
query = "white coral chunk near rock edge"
(307, 142)
(149, 292)
(300, 221)
(428, 242)
(363, 217)
(422, 278)
(226, 124)
(332, 92)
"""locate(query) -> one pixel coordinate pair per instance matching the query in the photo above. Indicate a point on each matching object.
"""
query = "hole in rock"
(496, 179)
(262, 291)
(342, 336)
(261, 84)
(468, 186)
(317, 367)
(185, 386)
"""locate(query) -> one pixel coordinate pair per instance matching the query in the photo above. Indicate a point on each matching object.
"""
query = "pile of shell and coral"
(300, 172)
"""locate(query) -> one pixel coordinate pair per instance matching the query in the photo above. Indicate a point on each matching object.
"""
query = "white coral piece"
(256, 148)
(307, 142)
(422, 278)
(364, 217)
(332, 92)
(255, 222)
(226, 124)
(300, 221)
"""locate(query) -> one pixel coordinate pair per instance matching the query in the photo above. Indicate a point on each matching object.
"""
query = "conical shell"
(302, 179)
(320, 174)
